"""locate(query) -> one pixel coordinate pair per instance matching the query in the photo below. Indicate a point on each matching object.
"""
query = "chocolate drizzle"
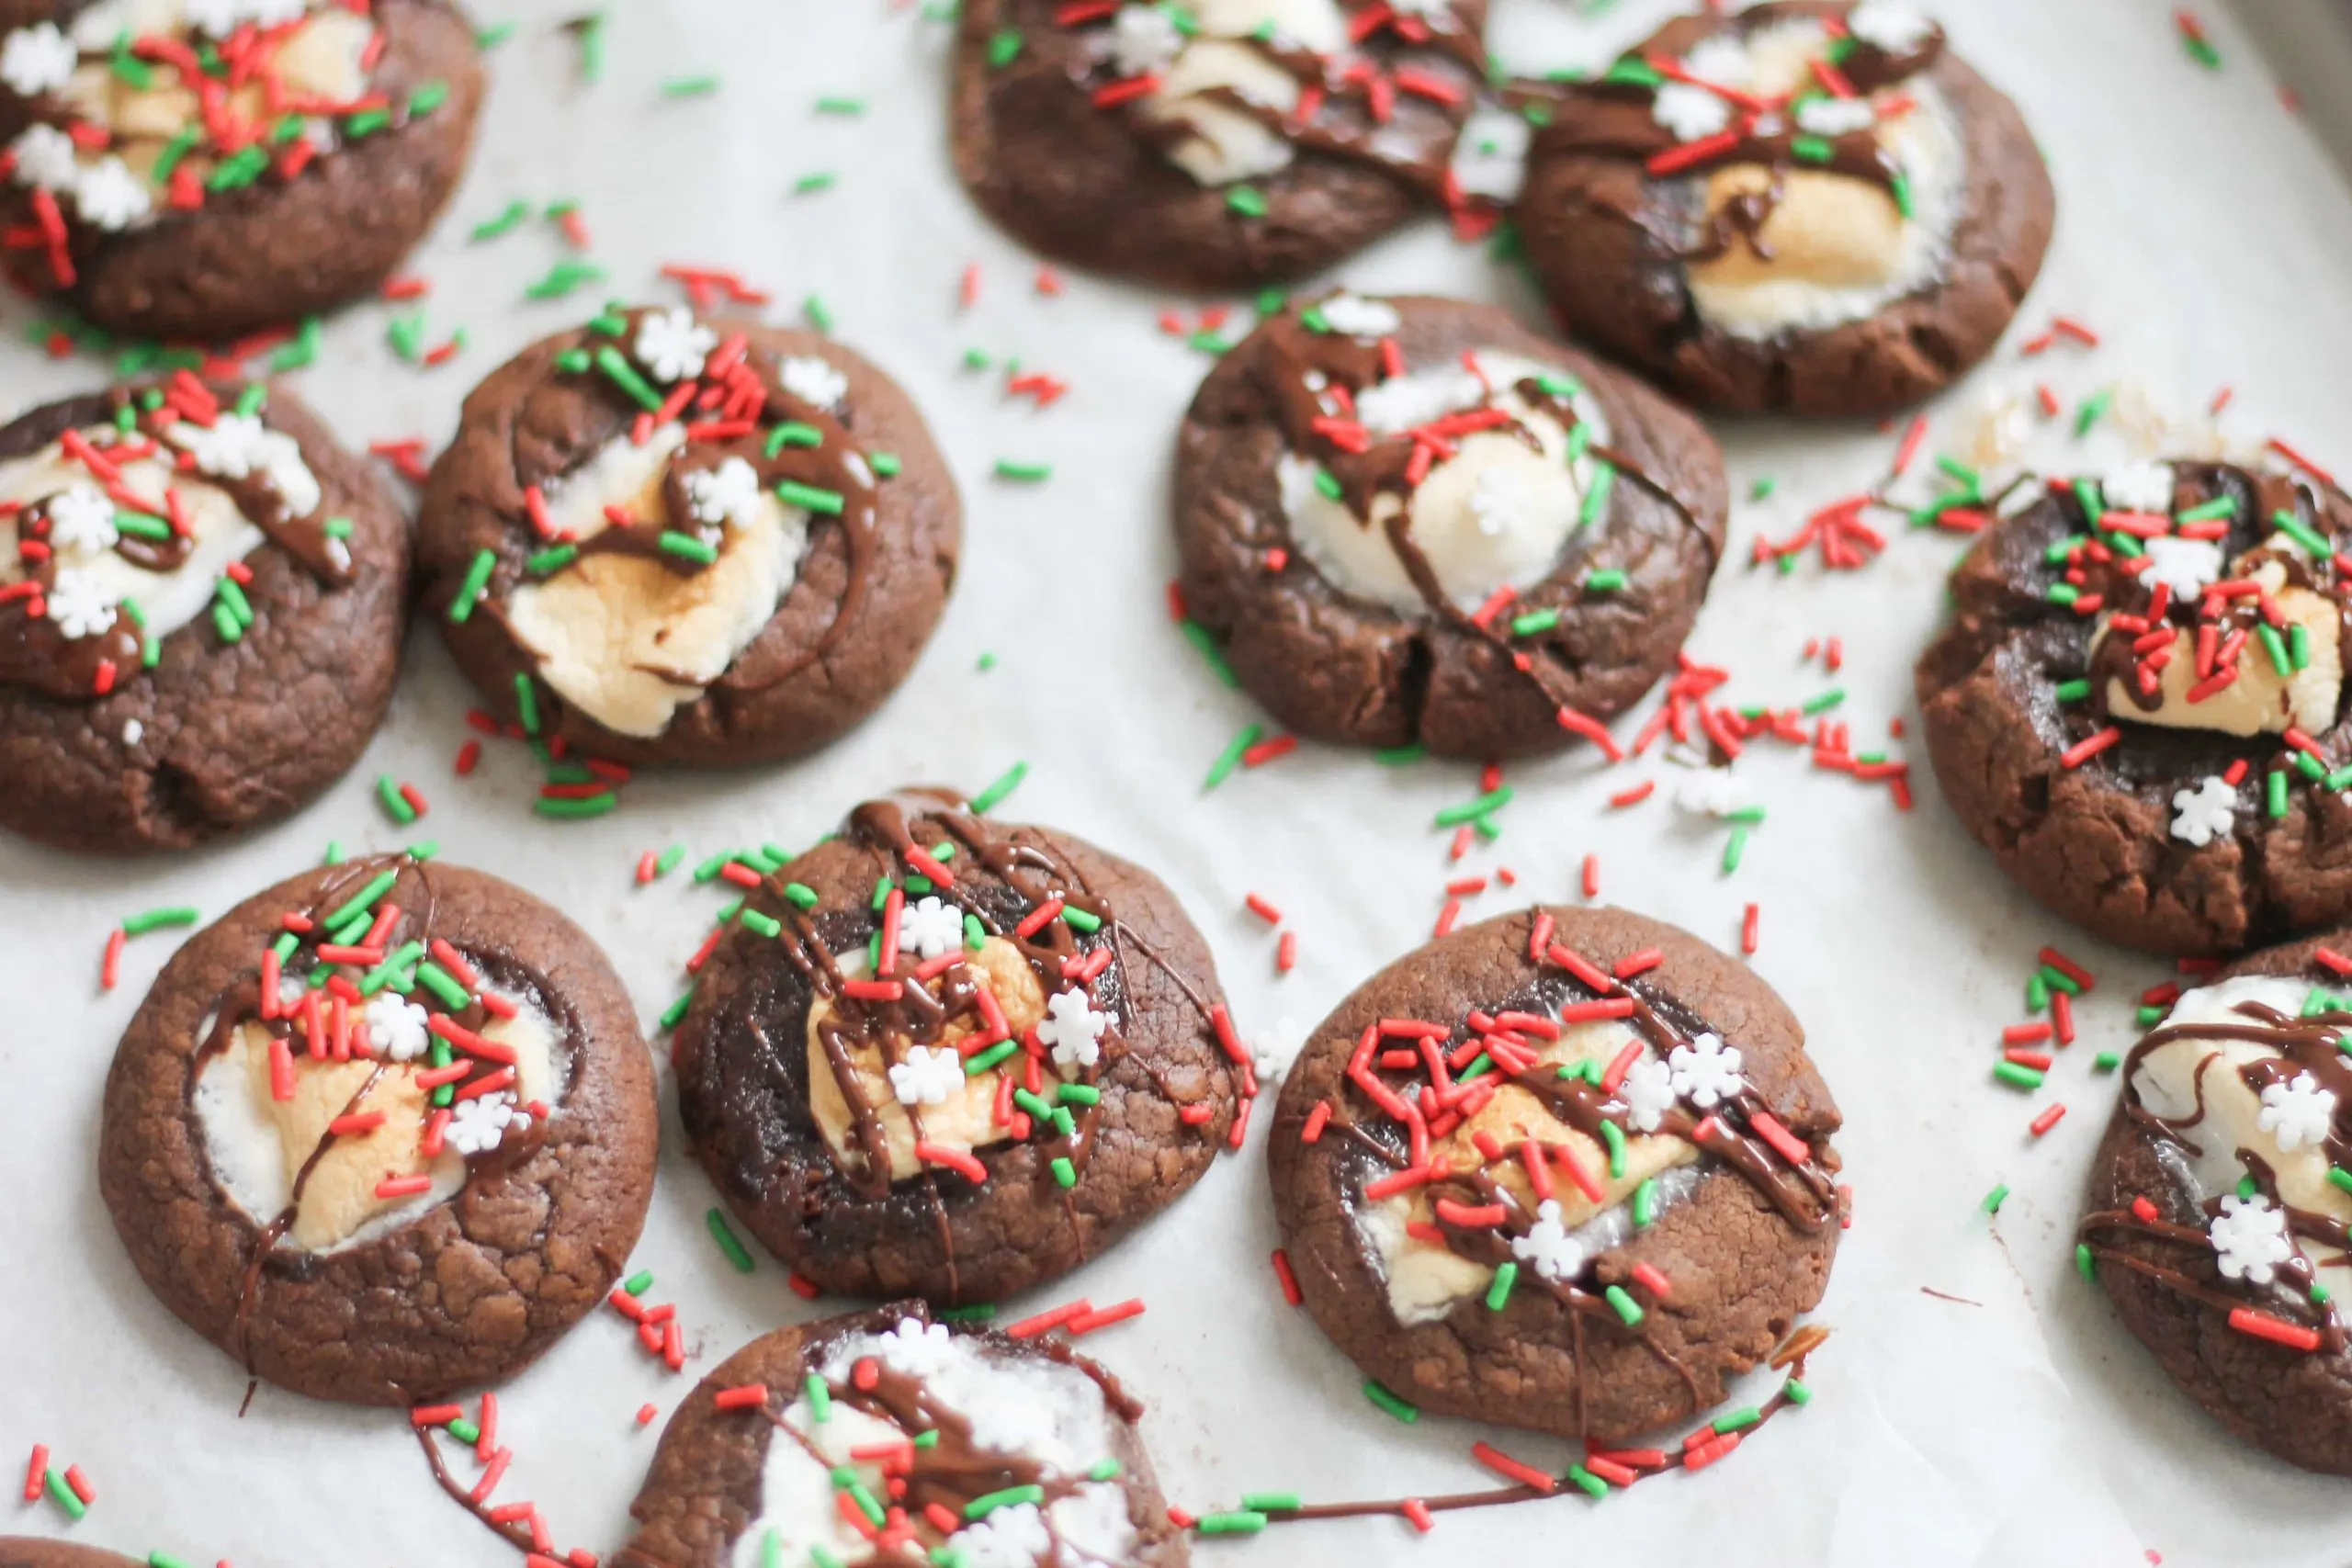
(135, 423)
(2307, 1045)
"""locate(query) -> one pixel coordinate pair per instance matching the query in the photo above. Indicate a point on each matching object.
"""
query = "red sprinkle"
(35, 1472)
(960, 1161)
(2047, 1120)
(110, 967)
(1262, 909)
(742, 1396)
(1289, 1279)
(1502, 1464)
(1087, 1322)
(1050, 1319)
(2278, 1330)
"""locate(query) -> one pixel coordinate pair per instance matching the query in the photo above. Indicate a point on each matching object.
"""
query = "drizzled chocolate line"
(34, 652)
(1299, 361)
(1612, 117)
(2302, 1045)
(1349, 110)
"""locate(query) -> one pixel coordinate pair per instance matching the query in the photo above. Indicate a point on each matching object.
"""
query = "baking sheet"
(2202, 233)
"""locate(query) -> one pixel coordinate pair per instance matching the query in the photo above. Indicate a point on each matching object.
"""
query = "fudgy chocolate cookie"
(1568, 1170)
(1812, 207)
(1216, 145)
(383, 1132)
(2139, 704)
(25, 1551)
(2215, 1219)
(1413, 519)
(672, 540)
(939, 1056)
(954, 1446)
(201, 607)
(200, 168)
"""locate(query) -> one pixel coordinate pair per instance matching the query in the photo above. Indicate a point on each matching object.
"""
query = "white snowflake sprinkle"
(1501, 503)
(728, 493)
(1711, 792)
(2205, 813)
(229, 447)
(1721, 58)
(480, 1126)
(917, 1348)
(1144, 41)
(2250, 1238)
(1403, 401)
(813, 381)
(1490, 158)
(2185, 566)
(396, 1027)
(1073, 1029)
(133, 732)
(1648, 1093)
(2139, 487)
(1015, 1537)
(1889, 27)
(928, 1075)
(1012, 1428)
(929, 927)
(80, 604)
(1548, 1249)
(1705, 1071)
(1836, 117)
(81, 519)
(1355, 316)
(108, 195)
(2297, 1112)
(1691, 112)
(44, 157)
(672, 345)
(37, 60)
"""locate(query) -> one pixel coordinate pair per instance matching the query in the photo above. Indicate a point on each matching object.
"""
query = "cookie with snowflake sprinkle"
(201, 169)
(2139, 704)
(1568, 1171)
(2219, 1216)
(1213, 143)
(983, 1052)
(203, 602)
(382, 1132)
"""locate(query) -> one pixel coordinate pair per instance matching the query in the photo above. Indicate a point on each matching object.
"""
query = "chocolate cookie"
(1413, 519)
(2138, 707)
(2216, 1218)
(381, 1132)
(25, 1551)
(187, 170)
(1217, 145)
(1812, 208)
(201, 611)
(883, 1437)
(1568, 1170)
(667, 540)
(942, 1056)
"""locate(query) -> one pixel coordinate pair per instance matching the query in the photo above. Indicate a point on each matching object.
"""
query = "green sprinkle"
(2298, 645)
(981, 1062)
(2221, 506)
(1736, 849)
(1824, 702)
(1023, 472)
(1796, 1393)
(764, 925)
(1607, 582)
(1010, 1497)
(802, 893)
(1506, 1275)
(1632, 73)
(1596, 500)
(724, 1234)
(2074, 691)
(1271, 1502)
(1231, 758)
(234, 596)
(1103, 1469)
(1238, 1522)
(1995, 1198)
(365, 899)
(1079, 919)
(1004, 47)
(884, 464)
(2275, 790)
(792, 433)
(636, 1285)
(1811, 149)
(1589, 1483)
(526, 702)
(515, 212)
(1646, 1202)
(1397, 756)
(793, 493)
(1247, 201)
(841, 106)
(1737, 1420)
(1629, 1311)
(686, 546)
(624, 376)
(2017, 1074)
(156, 919)
(690, 87)
(1904, 201)
(2275, 646)
(429, 96)
(2199, 48)
(464, 1430)
(1386, 1401)
(545, 563)
(2302, 532)
(174, 151)
(2057, 979)
(2063, 593)
(2037, 993)
(818, 314)
(676, 1012)
(1078, 1094)
(444, 985)
(166, 1560)
(363, 124)
(1492, 801)
(2084, 1263)
(470, 592)
(2093, 409)
(994, 795)
(302, 350)
(1615, 1136)
(562, 278)
(1065, 1173)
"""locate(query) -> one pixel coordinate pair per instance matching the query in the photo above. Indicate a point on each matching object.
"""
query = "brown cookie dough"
(162, 683)
(978, 1119)
(1753, 250)
(973, 1415)
(188, 212)
(292, 1186)
(1667, 1269)
(1395, 544)
(2212, 1220)
(790, 536)
(2174, 793)
(1218, 158)
(28, 1552)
